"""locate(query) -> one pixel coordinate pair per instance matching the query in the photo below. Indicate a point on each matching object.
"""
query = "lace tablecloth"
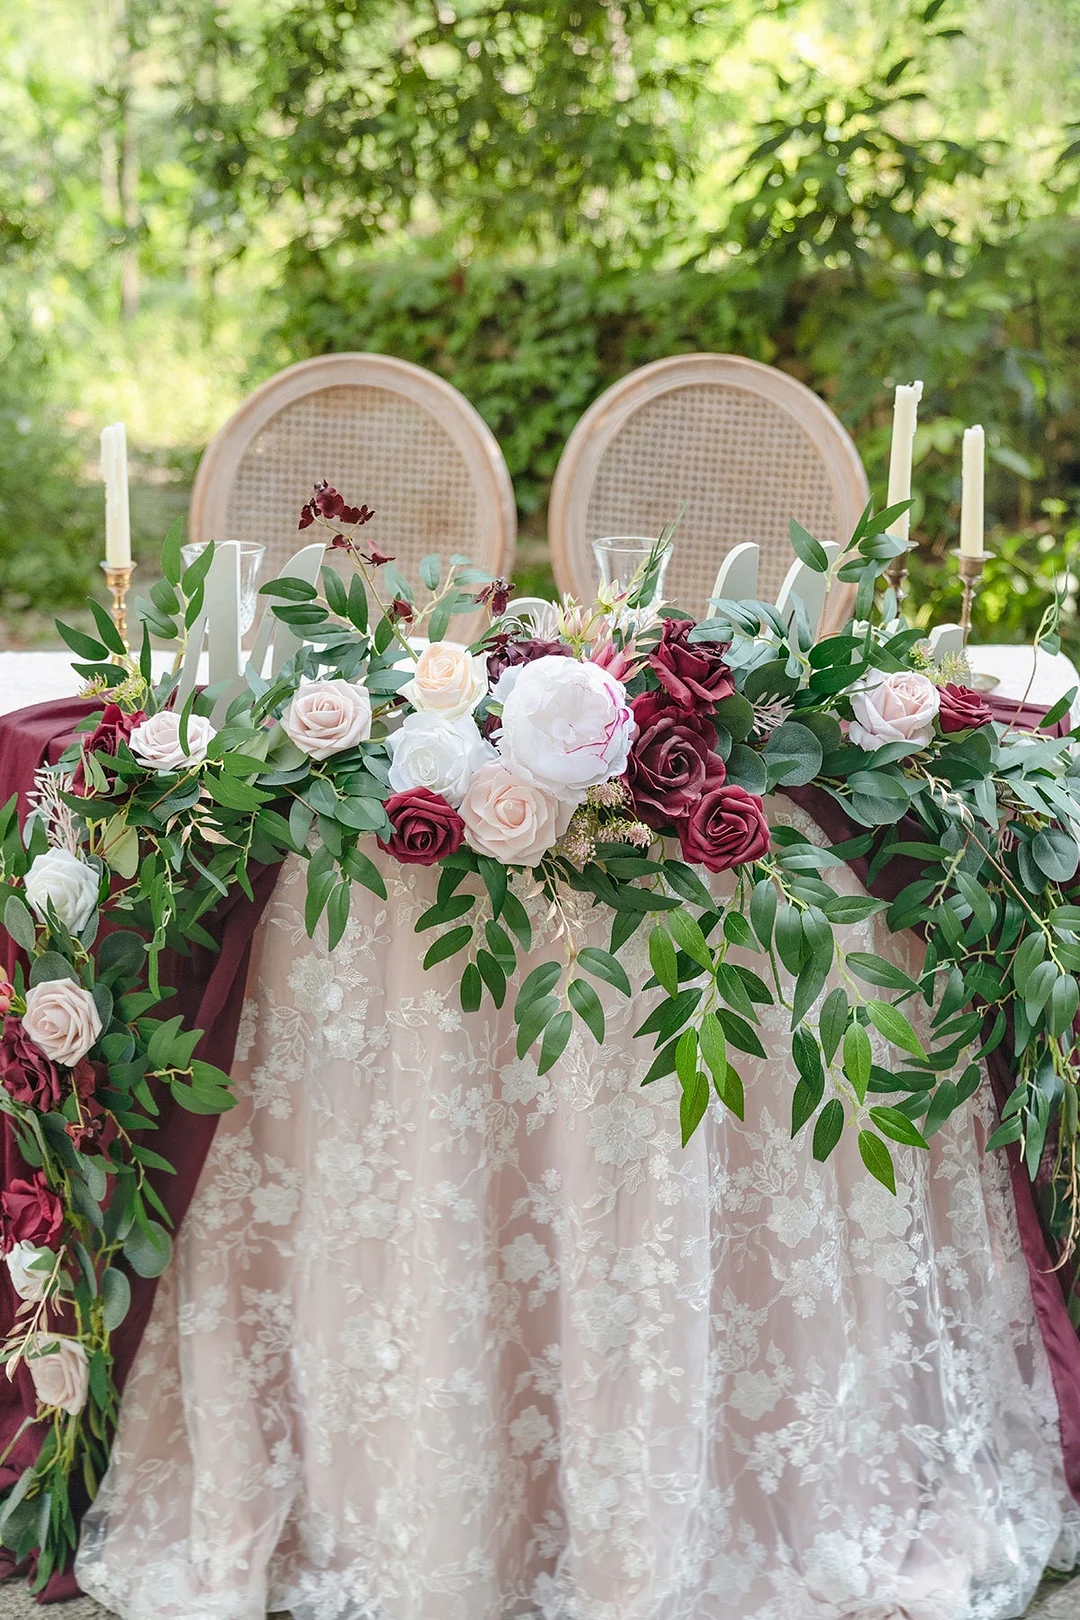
(446, 1339)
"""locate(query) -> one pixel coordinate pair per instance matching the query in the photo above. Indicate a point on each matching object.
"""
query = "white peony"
(156, 741)
(328, 717)
(433, 752)
(566, 725)
(27, 1280)
(62, 1019)
(60, 1370)
(447, 680)
(68, 883)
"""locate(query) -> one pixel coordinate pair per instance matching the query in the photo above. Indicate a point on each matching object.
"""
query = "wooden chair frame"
(597, 431)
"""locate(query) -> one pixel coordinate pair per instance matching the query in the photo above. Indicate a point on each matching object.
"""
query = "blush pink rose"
(510, 818)
(60, 1370)
(61, 1019)
(327, 717)
(448, 680)
(156, 742)
(898, 708)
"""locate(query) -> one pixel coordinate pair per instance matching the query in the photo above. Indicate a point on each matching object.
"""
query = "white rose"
(156, 742)
(327, 717)
(433, 752)
(447, 681)
(60, 1370)
(565, 725)
(62, 1019)
(27, 1281)
(898, 708)
(71, 886)
(511, 818)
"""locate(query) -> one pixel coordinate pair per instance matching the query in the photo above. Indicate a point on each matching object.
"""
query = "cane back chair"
(382, 431)
(736, 447)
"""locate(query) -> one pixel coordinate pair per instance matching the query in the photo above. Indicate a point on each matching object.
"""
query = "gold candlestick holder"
(971, 571)
(118, 579)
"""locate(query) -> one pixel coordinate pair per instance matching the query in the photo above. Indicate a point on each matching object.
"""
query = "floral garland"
(603, 759)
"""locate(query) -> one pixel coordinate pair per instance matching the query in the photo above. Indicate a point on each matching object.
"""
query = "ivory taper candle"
(971, 505)
(117, 515)
(905, 411)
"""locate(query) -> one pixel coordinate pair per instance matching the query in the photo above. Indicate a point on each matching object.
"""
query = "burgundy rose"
(30, 1212)
(694, 673)
(511, 653)
(425, 827)
(672, 759)
(112, 729)
(962, 709)
(26, 1073)
(726, 827)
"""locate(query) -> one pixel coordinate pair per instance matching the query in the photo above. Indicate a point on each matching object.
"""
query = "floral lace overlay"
(448, 1340)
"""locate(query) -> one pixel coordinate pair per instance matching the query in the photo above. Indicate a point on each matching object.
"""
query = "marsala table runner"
(210, 995)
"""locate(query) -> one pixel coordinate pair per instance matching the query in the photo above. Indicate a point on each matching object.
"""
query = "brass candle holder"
(118, 579)
(971, 571)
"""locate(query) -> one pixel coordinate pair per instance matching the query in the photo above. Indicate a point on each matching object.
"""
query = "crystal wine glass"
(251, 556)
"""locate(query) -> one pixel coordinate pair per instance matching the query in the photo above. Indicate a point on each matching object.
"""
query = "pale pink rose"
(60, 1370)
(61, 1019)
(156, 742)
(327, 717)
(447, 681)
(897, 708)
(511, 818)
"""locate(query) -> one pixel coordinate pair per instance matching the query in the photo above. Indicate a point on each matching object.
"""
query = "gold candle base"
(971, 571)
(118, 579)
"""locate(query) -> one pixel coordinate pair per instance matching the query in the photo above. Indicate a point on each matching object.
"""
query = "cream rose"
(565, 725)
(327, 717)
(156, 741)
(511, 818)
(27, 1280)
(60, 878)
(898, 708)
(62, 1019)
(433, 752)
(447, 681)
(60, 1370)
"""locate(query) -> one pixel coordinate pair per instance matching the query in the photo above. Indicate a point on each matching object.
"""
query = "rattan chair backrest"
(383, 432)
(736, 447)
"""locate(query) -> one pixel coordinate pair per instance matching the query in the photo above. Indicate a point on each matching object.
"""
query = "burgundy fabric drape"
(211, 989)
(210, 996)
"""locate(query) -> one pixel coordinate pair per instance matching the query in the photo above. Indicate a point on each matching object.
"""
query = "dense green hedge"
(532, 347)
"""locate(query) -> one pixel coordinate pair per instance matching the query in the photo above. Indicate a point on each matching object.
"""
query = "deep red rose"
(511, 653)
(726, 827)
(962, 709)
(694, 673)
(30, 1212)
(112, 729)
(425, 827)
(672, 759)
(26, 1073)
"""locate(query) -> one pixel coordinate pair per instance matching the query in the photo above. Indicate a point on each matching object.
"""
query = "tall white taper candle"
(971, 506)
(905, 411)
(117, 516)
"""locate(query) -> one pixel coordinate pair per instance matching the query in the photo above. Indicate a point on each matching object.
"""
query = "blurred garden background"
(531, 199)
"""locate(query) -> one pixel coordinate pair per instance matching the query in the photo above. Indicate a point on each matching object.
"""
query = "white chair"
(217, 628)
